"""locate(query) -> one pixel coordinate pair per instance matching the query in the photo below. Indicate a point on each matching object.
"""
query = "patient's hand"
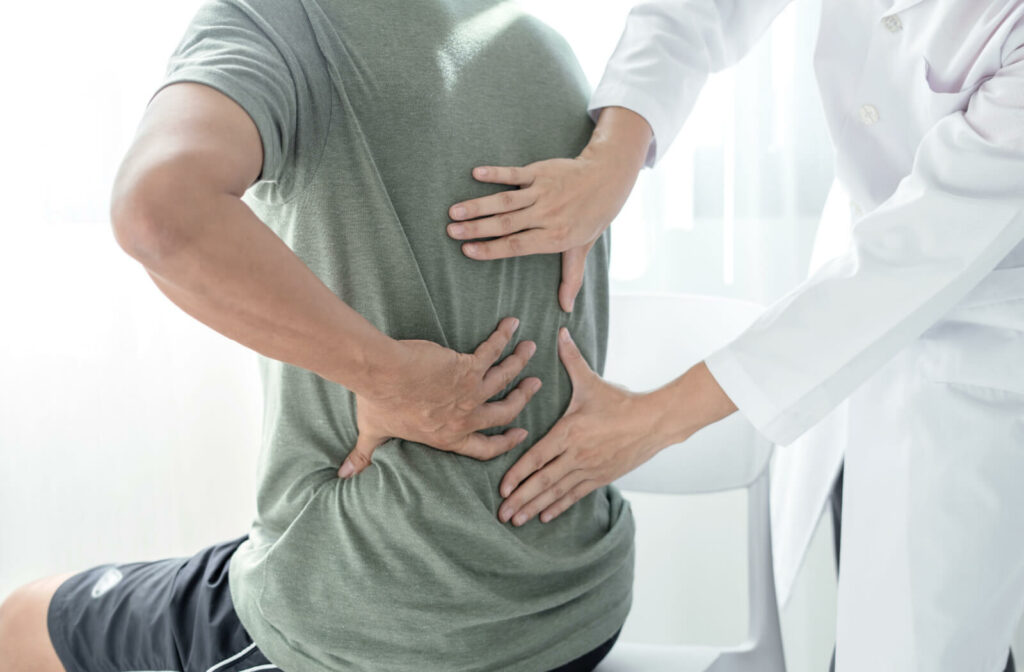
(439, 397)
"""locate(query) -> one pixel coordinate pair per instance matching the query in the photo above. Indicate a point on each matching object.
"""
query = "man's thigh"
(174, 614)
(24, 640)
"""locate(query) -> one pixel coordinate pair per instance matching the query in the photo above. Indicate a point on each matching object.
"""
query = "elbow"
(146, 224)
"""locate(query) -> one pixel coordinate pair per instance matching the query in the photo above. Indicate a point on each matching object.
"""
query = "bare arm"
(176, 207)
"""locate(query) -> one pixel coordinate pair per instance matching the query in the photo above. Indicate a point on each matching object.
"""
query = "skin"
(564, 205)
(176, 207)
(215, 259)
(606, 432)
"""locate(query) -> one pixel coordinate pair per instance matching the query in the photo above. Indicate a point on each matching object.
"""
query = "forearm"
(684, 406)
(217, 261)
(621, 136)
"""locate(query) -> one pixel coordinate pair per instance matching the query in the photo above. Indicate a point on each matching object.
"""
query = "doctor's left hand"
(605, 433)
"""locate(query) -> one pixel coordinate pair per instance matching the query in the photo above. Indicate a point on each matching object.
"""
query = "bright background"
(128, 431)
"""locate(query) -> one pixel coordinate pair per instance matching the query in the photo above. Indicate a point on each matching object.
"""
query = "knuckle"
(359, 459)
(505, 224)
(507, 376)
(513, 174)
(515, 245)
(506, 199)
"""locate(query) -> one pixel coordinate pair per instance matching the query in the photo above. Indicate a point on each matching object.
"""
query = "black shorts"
(173, 615)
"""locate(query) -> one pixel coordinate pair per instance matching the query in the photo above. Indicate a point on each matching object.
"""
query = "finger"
(511, 175)
(531, 241)
(506, 201)
(572, 359)
(483, 447)
(545, 499)
(547, 449)
(518, 505)
(581, 490)
(500, 375)
(508, 409)
(361, 456)
(495, 344)
(499, 225)
(574, 262)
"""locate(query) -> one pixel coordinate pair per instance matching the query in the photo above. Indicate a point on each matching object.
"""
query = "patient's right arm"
(176, 207)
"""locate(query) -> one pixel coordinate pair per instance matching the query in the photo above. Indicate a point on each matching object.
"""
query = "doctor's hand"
(562, 205)
(606, 432)
(603, 435)
(438, 397)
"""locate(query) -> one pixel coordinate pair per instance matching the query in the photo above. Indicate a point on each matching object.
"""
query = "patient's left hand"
(605, 433)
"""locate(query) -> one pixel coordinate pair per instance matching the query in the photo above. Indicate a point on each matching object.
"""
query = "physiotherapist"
(913, 331)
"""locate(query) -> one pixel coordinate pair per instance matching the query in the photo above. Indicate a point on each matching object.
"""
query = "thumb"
(574, 262)
(361, 456)
(572, 360)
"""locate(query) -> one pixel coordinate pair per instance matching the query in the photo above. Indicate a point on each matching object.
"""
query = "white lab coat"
(910, 339)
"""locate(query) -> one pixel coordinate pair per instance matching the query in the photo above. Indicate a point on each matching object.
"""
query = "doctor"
(916, 325)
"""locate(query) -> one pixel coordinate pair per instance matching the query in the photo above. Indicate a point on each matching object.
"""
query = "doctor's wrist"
(620, 141)
(687, 405)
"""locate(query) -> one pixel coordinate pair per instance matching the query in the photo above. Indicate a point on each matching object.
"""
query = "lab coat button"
(868, 114)
(893, 23)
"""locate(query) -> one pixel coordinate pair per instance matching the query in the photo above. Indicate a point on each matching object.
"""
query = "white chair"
(652, 340)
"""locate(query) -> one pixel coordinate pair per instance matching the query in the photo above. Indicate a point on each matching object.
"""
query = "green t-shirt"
(372, 114)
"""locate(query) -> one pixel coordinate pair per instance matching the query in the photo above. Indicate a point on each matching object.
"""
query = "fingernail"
(572, 304)
(456, 229)
(531, 347)
(459, 211)
(564, 335)
(545, 517)
(535, 384)
(506, 490)
(504, 515)
(347, 470)
(470, 249)
(515, 323)
(519, 520)
(481, 172)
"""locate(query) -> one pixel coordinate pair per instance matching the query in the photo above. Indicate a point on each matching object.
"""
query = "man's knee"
(24, 637)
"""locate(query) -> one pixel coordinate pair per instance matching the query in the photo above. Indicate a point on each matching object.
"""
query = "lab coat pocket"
(981, 341)
(936, 100)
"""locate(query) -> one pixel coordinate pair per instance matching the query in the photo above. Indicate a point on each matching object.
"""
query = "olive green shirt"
(372, 114)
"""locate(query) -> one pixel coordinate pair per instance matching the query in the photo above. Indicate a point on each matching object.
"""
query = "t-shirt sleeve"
(264, 55)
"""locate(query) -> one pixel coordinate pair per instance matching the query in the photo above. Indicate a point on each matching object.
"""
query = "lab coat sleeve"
(666, 52)
(948, 224)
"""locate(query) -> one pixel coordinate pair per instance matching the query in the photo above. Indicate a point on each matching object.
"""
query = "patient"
(347, 127)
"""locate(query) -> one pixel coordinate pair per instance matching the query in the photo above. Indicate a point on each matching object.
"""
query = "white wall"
(127, 429)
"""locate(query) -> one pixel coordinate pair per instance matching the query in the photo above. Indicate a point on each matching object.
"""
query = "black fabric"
(836, 500)
(589, 661)
(174, 614)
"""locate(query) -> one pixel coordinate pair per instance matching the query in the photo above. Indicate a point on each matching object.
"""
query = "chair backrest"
(654, 339)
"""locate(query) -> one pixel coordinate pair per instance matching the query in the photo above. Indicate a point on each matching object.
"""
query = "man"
(288, 186)
(917, 326)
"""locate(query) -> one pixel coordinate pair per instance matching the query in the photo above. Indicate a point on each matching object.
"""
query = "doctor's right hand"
(438, 397)
(562, 205)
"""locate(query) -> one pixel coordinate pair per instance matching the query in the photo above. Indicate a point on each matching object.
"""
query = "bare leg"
(24, 638)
